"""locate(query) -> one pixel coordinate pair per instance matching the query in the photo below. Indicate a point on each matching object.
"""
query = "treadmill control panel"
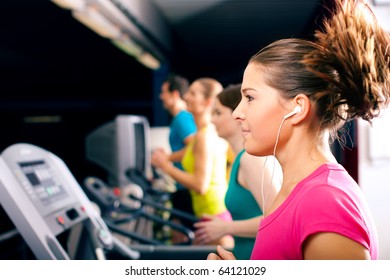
(48, 207)
(41, 182)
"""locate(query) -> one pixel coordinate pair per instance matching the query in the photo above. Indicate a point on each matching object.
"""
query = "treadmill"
(50, 210)
(55, 218)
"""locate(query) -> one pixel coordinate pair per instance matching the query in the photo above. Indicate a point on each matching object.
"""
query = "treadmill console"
(48, 207)
(41, 183)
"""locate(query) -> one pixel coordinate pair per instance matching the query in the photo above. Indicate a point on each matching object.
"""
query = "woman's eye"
(249, 98)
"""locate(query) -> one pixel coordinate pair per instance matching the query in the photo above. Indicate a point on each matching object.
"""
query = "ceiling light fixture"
(149, 60)
(128, 46)
(70, 4)
(94, 20)
(108, 21)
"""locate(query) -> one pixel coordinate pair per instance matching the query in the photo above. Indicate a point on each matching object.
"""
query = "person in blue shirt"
(182, 129)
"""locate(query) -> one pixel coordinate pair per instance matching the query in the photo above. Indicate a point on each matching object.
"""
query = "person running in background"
(181, 131)
(296, 95)
(251, 179)
(204, 161)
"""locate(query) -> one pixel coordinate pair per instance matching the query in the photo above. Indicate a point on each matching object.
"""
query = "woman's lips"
(245, 131)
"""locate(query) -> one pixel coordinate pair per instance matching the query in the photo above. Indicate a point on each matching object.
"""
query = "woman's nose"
(238, 114)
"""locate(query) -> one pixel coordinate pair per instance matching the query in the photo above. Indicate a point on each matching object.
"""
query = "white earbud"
(296, 110)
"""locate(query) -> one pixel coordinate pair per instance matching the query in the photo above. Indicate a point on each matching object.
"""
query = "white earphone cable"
(273, 169)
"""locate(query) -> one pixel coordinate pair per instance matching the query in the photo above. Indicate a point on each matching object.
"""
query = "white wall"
(382, 13)
(374, 175)
(160, 138)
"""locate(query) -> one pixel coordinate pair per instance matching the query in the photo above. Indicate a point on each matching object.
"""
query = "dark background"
(60, 80)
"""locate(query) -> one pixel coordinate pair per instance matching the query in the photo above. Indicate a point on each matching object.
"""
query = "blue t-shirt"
(182, 126)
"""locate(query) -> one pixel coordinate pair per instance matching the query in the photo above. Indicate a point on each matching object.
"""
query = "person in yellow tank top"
(205, 158)
(211, 199)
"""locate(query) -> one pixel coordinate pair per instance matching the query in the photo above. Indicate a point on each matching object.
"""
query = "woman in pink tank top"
(296, 94)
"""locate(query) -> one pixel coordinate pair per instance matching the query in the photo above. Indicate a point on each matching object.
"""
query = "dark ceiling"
(220, 40)
(42, 44)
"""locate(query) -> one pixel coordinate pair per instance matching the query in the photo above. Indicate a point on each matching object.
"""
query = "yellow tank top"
(212, 202)
(229, 161)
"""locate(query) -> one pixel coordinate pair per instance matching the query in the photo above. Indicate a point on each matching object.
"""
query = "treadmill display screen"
(42, 181)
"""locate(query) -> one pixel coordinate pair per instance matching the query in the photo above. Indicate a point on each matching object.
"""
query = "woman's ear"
(209, 102)
(302, 108)
(176, 93)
